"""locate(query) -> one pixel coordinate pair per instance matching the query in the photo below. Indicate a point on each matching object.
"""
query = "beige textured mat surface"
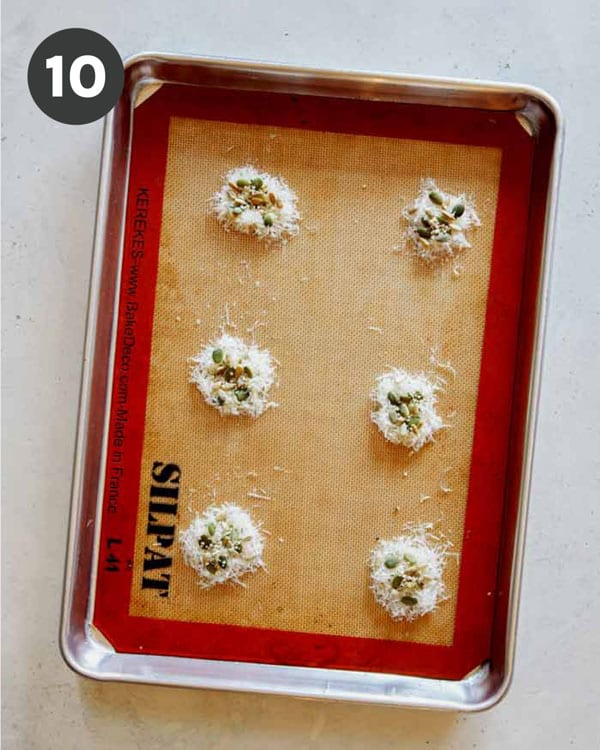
(336, 306)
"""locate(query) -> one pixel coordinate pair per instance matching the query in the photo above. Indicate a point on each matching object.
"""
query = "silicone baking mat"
(336, 306)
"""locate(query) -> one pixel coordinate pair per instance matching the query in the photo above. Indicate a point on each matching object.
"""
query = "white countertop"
(49, 192)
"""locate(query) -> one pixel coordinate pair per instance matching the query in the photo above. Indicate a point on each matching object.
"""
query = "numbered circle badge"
(75, 76)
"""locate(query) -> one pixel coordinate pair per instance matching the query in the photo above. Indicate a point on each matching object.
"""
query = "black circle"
(71, 44)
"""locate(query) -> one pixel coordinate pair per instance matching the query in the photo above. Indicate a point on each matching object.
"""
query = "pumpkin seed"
(436, 198)
(397, 582)
(257, 182)
(247, 372)
(391, 562)
(242, 394)
(392, 398)
(424, 233)
(211, 528)
(222, 562)
(410, 558)
(217, 356)
(269, 220)
(410, 601)
(458, 210)
(242, 182)
(404, 410)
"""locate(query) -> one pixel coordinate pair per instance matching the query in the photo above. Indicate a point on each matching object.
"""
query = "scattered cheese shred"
(258, 494)
(222, 544)
(440, 364)
(443, 484)
(234, 377)
(404, 408)
(437, 223)
(406, 572)
(257, 203)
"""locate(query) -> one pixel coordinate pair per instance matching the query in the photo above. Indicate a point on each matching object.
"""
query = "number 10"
(55, 64)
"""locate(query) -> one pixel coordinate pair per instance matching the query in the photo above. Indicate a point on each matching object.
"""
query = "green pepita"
(242, 182)
(397, 582)
(269, 220)
(391, 562)
(222, 562)
(247, 372)
(436, 198)
(410, 558)
(410, 601)
(257, 182)
(424, 233)
(217, 356)
(458, 210)
(242, 394)
(211, 528)
(404, 410)
(392, 398)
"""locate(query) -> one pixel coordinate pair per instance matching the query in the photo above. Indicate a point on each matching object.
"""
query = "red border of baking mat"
(485, 502)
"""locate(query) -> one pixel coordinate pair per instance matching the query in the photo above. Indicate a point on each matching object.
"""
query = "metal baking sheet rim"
(82, 647)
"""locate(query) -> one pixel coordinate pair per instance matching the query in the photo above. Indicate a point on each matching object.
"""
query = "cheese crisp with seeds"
(406, 573)
(404, 408)
(234, 377)
(254, 202)
(223, 544)
(438, 223)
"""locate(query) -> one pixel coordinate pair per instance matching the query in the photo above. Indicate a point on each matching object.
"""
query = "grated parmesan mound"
(404, 408)
(234, 377)
(406, 573)
(254, 202)
(438, 222)
(222, 544)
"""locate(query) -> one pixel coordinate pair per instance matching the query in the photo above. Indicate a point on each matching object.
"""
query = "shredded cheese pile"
(234, 377)
(438, 222)
(254, 202)
(406, 573)
(222, 544)
(404, 408)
